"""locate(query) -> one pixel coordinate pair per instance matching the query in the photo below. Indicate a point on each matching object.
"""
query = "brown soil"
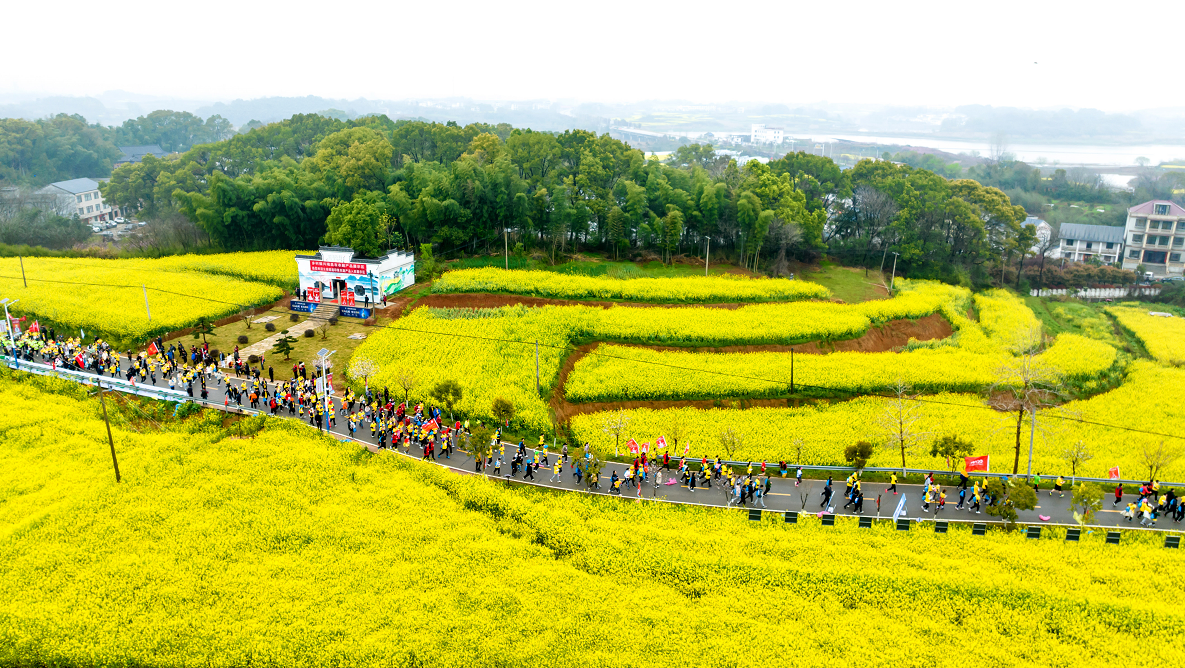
(887, 337)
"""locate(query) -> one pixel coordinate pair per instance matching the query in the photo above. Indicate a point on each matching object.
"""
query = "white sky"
(1114, 56)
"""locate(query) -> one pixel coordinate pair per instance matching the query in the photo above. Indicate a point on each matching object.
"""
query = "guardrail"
(86, 378)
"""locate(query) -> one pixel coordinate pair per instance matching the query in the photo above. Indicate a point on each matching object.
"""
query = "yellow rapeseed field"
(1163, 337)
(685, 289)
(283, 548)
(106, 297)
(617, 372)
(823, 430)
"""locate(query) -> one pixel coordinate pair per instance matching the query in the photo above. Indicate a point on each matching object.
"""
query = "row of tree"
(34, 153)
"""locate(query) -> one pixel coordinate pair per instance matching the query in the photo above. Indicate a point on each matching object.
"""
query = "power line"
(769, 380)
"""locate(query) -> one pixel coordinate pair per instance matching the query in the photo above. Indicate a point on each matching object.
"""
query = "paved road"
(784, 495)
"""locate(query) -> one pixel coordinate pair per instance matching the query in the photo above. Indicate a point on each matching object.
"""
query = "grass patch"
(848, 283)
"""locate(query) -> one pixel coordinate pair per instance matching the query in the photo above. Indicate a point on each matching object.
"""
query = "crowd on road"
(423, 429)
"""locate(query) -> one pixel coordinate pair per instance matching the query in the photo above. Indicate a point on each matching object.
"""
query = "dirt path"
(885, 338)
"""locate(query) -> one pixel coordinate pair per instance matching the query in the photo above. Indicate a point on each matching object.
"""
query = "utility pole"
(146, 303)
(23, 279)
(707, 253)
(110, 441)
(536, 366)
(893, 280)
(11, 339)
(791, 371)
(1032, 432)
(506, 248)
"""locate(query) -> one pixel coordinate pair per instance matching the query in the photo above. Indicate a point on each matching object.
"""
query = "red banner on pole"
(1113, 473)
(660, 442)
(633, 446)
(315, 295)
(979, 463)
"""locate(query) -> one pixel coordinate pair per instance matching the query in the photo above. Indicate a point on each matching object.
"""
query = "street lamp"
(324, 354)
(8, 324)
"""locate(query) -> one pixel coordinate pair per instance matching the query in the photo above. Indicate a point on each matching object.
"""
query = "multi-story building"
(1083, 242)
(761, 134)
(85, 197)
(1155, 234)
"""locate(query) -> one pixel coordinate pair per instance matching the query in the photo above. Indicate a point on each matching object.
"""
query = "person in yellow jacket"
(893, 483)
(556, 472)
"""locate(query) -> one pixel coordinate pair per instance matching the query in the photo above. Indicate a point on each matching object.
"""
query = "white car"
(96, 229)
(118, 220)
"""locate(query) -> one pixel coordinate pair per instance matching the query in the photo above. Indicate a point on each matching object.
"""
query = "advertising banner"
(660, 442)
(354, 312)
(979, 463)
(1113, 473)
(302, 307)
(347, 298)
(633, 446)
(314, 295)
(338, 267)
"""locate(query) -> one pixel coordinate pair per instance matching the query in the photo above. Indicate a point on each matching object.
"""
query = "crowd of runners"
(422, 430)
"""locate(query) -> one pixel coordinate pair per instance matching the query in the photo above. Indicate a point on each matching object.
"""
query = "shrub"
(253, 359)
(242, 339)
(308, 333)
(293, 317)
(333, 320)
(270, 327)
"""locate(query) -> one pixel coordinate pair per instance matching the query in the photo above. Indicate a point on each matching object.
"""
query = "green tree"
(203, 328)
(858, 453)
(359, 224)
(952, 448)
(616, 233)
(1086, 500)
(284, 345)
(502, 410)
(449, 393)
(1016, 495)
(672, 230)
(352, 160)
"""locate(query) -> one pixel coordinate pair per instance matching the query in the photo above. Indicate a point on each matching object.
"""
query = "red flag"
(152, 349)
(632, 445)
(35, 328)
(431, 425)
(660, 442)
(646, 446)
(979, 463)
(1113, 473)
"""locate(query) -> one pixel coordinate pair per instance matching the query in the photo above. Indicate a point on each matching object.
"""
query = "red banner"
(315, 295)
(347, 297)
(660, 442)
(632, 445)
(646, 446)
(338, 267)
(979, 463)
(152, 349)
(1113, 473)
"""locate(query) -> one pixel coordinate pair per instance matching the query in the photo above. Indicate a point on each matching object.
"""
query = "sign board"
(302, 307)
(355, 312)
(338, 267)
(314, 295)
(347, 298)
(321, 384)
(979, 463)
(900, 508)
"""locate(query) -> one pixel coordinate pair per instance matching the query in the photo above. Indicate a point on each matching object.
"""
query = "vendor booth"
(334, 276)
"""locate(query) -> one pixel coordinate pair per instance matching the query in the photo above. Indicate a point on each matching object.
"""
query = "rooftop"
(137, 153)
(75, 186)
(1147, 208)
(1103, 233)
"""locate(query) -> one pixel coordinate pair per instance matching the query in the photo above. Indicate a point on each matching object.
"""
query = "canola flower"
(826, 428)
(284, 548)
(87, 296)
(1164, 338)
(623, 373)
(688, 289)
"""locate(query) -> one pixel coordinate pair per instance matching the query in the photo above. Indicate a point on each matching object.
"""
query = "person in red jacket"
(1118, 495)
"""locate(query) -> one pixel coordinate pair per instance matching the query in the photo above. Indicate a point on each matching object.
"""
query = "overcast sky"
(1033, 53)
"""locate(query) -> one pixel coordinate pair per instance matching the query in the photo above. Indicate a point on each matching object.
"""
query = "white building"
(1083, 242)
(1155, 234)
(1044, 233)
(82, 196)
(761, 134)
(351, 282)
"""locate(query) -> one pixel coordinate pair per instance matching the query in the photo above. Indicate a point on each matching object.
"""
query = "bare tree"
(874, 211)
(731, 440)
(615, 425)
(1046, 243)
(998, 149)
(1075, 455)
(1024, 383)
(899, 421)
(407, 380)
(676, 429)
(1158, 456)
